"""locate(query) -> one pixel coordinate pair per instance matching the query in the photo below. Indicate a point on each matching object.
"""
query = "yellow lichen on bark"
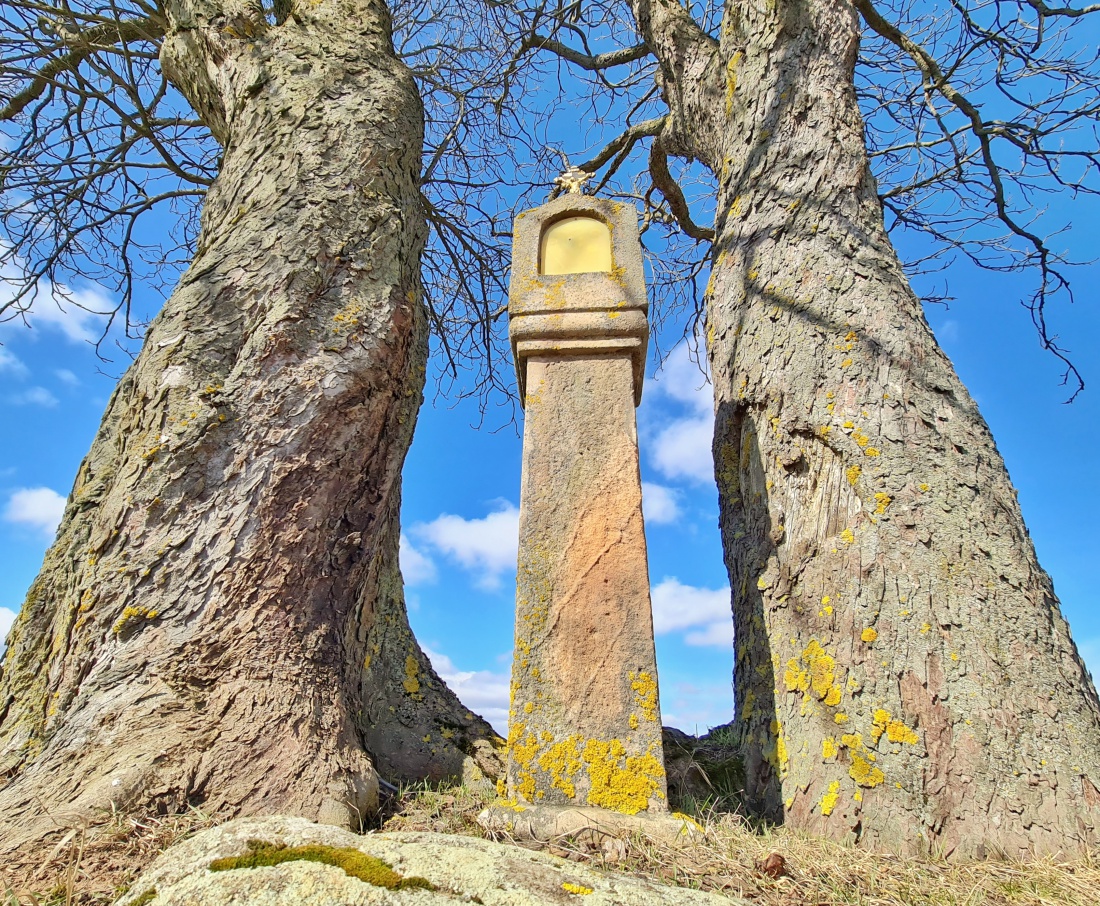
(412, 671)
(829, 800)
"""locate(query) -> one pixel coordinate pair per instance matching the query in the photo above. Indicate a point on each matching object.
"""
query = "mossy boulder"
(282, 861)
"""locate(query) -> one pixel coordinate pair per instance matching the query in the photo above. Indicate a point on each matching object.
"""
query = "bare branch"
(662, 179)
(591, 62)
(82, 44)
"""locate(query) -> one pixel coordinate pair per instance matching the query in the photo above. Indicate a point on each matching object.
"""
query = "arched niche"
(579, 244)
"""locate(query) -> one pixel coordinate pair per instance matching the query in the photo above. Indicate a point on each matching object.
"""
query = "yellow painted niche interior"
(575, 245)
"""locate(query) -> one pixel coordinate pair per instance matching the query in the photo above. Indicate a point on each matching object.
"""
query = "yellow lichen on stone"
(872, 451)
(829, 800)
(853, 473)
(829, 747)
(562, 761)
(869, 634)
(412, 671)
(578, 889)
(645, 694)
(840, 718)
(882, 501)
(522, 746)
(526, 785)
(847, 536)
(617, 781)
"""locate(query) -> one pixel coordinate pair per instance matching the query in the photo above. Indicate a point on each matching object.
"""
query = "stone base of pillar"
(547, 823)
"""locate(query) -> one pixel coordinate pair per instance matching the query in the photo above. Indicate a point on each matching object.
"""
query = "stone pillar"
(584, 723)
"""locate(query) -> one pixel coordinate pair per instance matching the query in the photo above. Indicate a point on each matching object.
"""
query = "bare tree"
(220, 621)
(904, 676)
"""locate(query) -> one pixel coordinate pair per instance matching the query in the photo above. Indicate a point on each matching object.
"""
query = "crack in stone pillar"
(584, 723)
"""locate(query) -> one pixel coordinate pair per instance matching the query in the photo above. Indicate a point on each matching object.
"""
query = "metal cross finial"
(573, 180)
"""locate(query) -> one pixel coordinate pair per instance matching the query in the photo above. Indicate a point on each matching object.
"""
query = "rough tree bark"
(904, 676)
(220, 621)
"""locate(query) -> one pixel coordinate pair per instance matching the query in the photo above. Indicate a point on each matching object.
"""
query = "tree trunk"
(221, 622)
(904, 676)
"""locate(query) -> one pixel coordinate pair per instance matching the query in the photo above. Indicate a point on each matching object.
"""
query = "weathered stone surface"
(584, 724)
(462, 869)
(601, 312)
(548, 822)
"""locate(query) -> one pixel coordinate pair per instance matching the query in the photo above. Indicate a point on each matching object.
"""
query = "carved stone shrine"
(585, 722)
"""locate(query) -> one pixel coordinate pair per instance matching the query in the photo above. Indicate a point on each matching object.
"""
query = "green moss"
(147, 897)
(354, 863)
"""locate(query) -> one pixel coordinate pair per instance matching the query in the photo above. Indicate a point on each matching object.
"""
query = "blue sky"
(462, 483)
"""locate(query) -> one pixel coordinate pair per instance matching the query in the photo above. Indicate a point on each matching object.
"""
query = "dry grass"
(92, 864)
(732, 858)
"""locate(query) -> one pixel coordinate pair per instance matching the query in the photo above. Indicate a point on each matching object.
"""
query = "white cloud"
(713, 635)
(680, 447)
(33, 396)
(682, 450)
(695, 709)
(948, 331)
(11, 364)
(40, 508)
(416, 568)
(482, 691)
(67, 377)
(7, 617)
(660, 505)
(486, 546)
(684, 380)
(76, 313)
(704, 611)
